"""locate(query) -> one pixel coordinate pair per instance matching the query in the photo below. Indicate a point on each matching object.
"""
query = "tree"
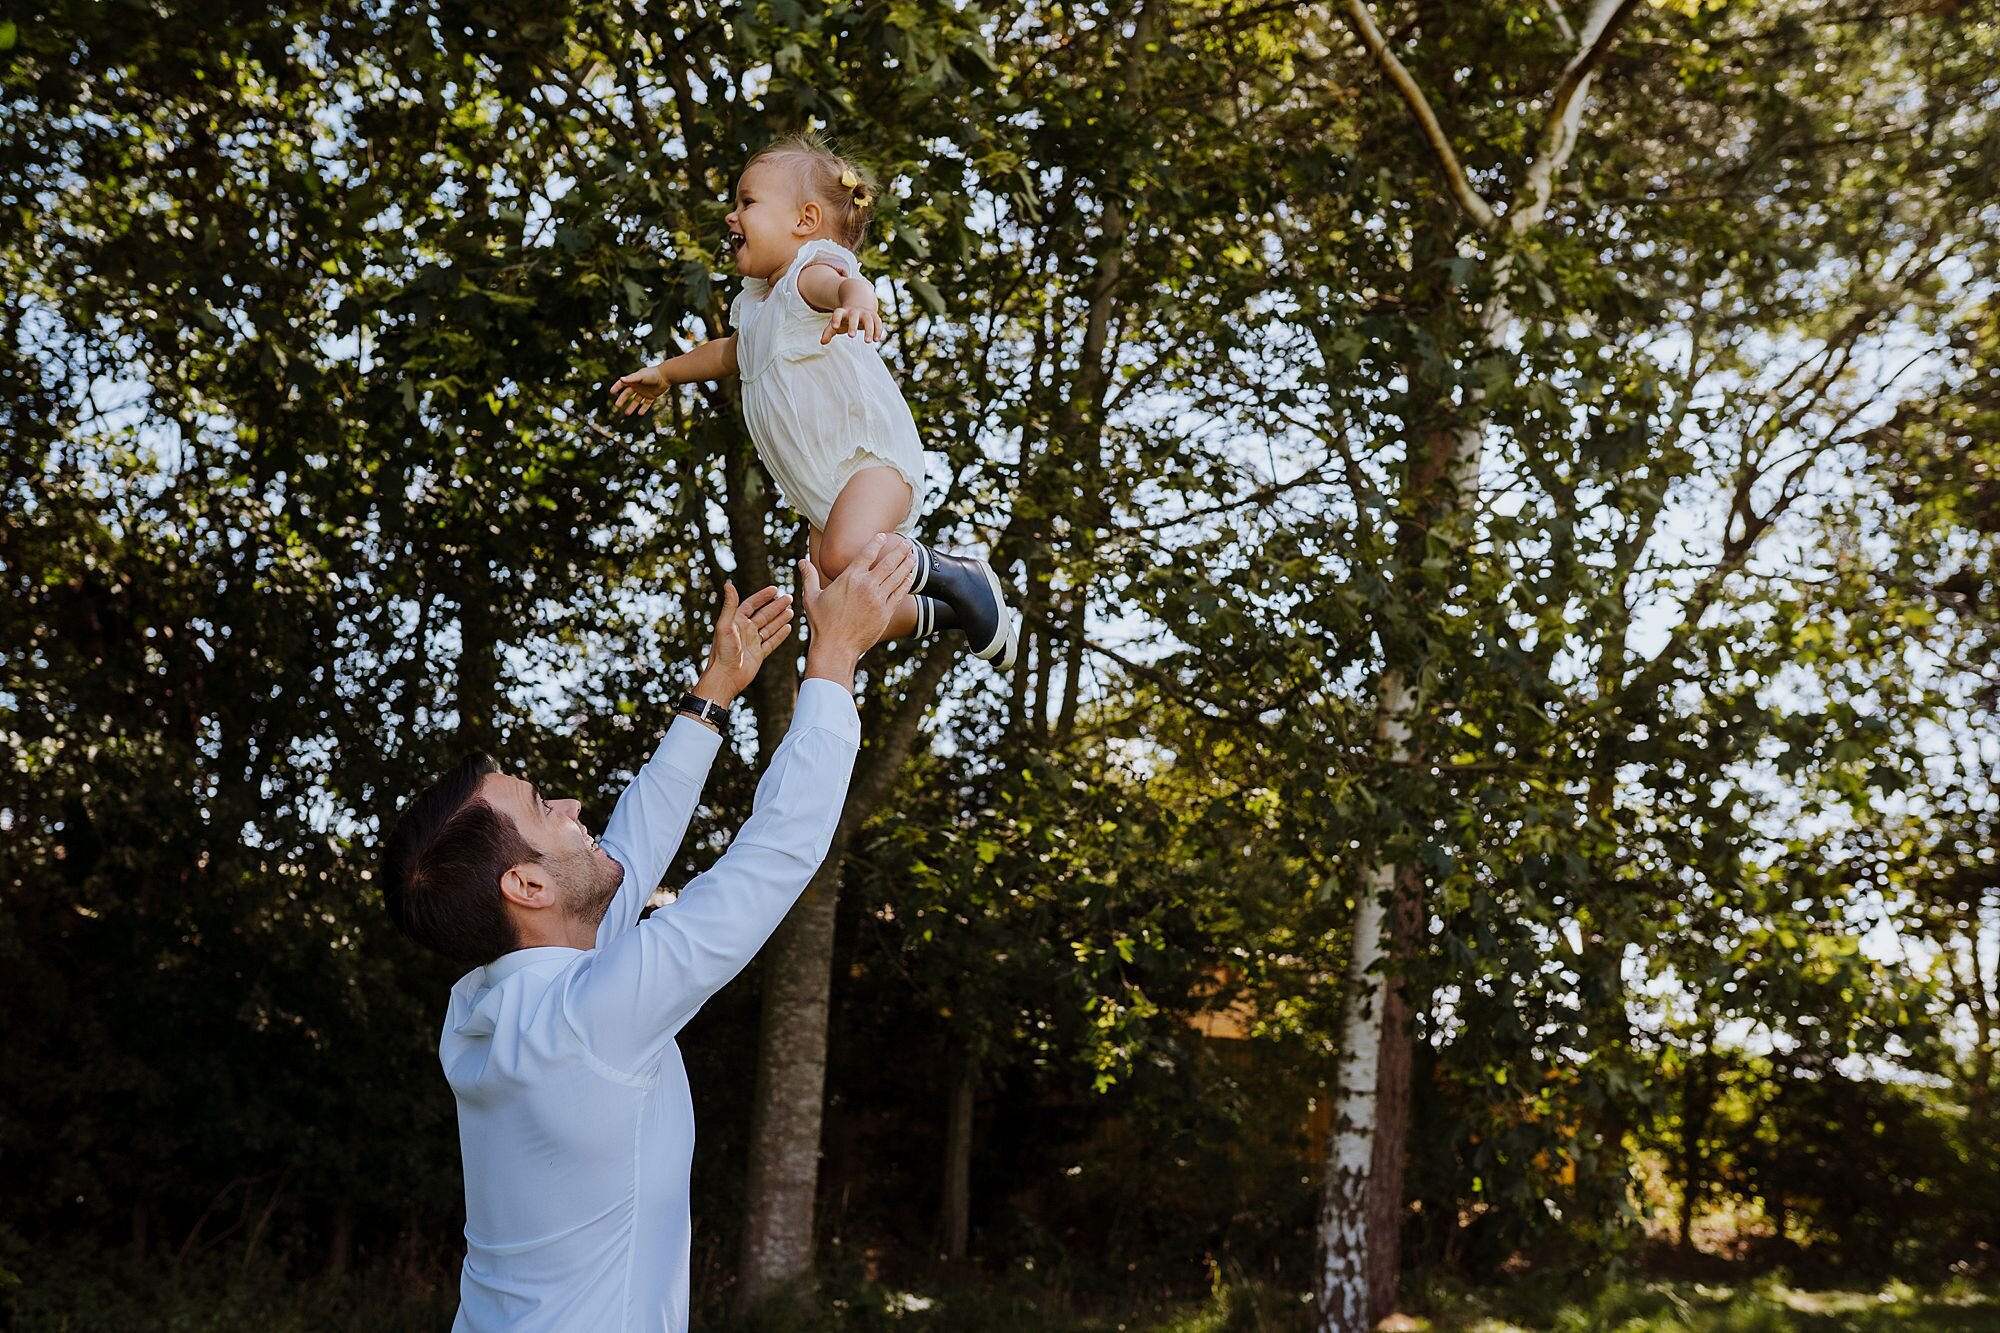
(1491, 338)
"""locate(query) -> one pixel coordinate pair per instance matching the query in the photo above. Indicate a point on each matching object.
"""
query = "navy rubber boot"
(970, 588)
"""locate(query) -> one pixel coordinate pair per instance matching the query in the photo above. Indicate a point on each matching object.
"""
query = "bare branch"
(1468, 198)
(1600, 32)
(1562, 22)
(1180, 690)
(1263, 495)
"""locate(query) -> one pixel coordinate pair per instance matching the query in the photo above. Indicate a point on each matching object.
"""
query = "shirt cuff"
(827, 706)
(688, 747)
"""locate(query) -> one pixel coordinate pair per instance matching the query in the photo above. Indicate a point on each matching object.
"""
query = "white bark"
(1343, 1219)
(1600, 30)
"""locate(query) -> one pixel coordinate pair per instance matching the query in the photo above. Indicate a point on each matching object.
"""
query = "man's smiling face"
(569, 859)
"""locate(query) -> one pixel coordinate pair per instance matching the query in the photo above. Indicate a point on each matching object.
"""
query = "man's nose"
(570, 809)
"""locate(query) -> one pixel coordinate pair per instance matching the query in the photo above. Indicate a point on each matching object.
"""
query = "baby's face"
(764, 228)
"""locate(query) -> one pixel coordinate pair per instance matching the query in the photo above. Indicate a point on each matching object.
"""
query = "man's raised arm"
(644, 985)
(652, 816)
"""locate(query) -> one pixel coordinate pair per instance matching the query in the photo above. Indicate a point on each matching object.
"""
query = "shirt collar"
(507, 964)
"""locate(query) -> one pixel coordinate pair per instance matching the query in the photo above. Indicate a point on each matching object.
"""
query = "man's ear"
(810, 217)
(524, 886)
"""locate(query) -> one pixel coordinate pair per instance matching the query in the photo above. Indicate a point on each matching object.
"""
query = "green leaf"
(928, 294)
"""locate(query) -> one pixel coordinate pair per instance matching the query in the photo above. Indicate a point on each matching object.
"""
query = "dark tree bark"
(955, 1216)
(791, 1052)
(1697, 1097)
(1392, 1104)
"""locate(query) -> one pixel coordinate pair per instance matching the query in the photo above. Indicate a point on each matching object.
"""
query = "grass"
(1768, 1305)
(74, 1297)
(80, 1293)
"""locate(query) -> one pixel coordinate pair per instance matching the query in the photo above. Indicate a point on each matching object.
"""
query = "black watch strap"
(712, 713)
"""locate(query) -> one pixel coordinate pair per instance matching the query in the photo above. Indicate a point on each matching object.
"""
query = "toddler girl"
(823, 410)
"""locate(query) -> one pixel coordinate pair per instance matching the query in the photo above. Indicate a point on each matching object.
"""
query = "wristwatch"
(702, 710)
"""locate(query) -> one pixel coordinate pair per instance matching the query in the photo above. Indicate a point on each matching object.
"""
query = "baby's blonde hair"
(845, 189)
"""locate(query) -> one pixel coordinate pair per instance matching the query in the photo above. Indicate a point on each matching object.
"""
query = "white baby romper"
(819, 414)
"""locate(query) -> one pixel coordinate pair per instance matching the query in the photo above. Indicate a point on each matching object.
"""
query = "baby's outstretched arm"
(851, 299)
(640, 391)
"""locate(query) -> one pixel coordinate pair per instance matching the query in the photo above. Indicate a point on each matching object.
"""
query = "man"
(574, 1118)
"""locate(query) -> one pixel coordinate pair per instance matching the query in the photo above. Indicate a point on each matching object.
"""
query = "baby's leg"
(953, 592)
(874, 500)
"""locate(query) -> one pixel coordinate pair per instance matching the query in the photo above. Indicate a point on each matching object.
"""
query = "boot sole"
(1006, 644)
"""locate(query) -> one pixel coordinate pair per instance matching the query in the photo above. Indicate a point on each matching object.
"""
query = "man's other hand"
(849, 615)
(745, 634)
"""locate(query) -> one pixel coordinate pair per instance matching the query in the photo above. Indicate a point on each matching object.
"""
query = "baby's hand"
(856, 313)
(640, 391)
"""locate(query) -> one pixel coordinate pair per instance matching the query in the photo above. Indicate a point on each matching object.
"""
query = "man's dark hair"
(441, 868)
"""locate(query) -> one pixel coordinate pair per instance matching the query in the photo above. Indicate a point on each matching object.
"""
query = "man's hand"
(640, 391)
(745, 634)
(849, 615)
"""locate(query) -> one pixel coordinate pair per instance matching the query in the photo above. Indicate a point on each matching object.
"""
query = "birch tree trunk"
(1358, 1223)
(1362, 1195)
(1361, 1198)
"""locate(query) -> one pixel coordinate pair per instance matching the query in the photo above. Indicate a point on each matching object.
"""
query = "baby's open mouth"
(735, 240)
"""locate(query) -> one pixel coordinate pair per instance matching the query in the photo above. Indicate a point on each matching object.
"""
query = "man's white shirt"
(573, 1111)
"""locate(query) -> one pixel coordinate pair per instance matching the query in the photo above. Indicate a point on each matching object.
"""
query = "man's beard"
(590, 882)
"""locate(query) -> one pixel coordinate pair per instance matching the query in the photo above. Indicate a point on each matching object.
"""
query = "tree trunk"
(1601, 984)
(478, 681)
(955, 1218)
(777, 1249)
(1362, 1206)
(1441, 476)
(340, 1244)
(771, 694)
(1392, 1103)
(1694, 1119)
(1079, 627)
(1349, 1194)
(791, 1047)
(791, 1086)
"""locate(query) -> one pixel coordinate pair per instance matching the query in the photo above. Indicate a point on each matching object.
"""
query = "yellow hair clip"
(850, 180)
